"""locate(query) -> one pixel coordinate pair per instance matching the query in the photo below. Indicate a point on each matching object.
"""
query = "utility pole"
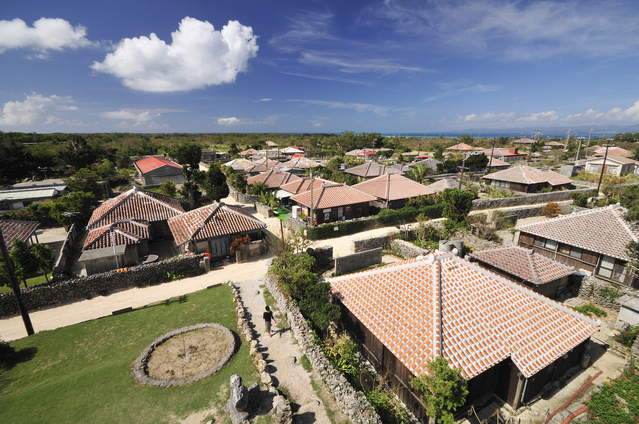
(603, 167)
(15, 286)
(312, 188)
(588, 145)
(567, 139)
(492, 152)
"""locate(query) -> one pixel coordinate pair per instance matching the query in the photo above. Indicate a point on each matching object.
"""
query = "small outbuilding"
(154, 171)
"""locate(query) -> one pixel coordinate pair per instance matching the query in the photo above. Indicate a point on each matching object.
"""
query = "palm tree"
(418, 173)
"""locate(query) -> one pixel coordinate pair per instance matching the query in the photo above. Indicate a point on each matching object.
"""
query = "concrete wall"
(356, 261)
(66, 252)
(530, 199)
(76, 289)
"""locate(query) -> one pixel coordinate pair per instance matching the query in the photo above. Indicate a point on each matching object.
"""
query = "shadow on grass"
(9, 358)
(182, 299)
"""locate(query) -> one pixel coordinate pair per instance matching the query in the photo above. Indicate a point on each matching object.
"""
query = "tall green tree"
(44, 258)
(442, 389)
(215, 183)
(24, 261)
(457, 204)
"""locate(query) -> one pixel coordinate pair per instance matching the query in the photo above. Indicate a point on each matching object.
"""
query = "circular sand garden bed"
(185, 355)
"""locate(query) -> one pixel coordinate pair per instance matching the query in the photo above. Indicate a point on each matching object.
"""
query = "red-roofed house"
(461, 147)
(212, 228)
(334, 202)
(612, 151)
(535, 271)
(393, 191)
(506, 338)
(527, 179)
(273, 178)
(120, 229)
(593, 241)
(525, 141)
(13, 230)
(511, 154)
(154, 171)
(372, 170)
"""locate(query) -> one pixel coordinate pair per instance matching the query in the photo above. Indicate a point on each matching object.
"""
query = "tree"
(44, 258)
(270, 199)
(316, 305)
(258, 188)
(439, 152)
(293, 272)
(215, 183)
(81, 203)
(24, 261)
(442, 389)
(167, 188)
(85, 180)
(419, 172)
(189, 155)
(457, 204)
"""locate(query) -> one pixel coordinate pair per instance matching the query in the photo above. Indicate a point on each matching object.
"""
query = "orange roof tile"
(117, 233)
(304, 184)
(393, 187)
(472, 317)
(528, 175)
(332, 196)
(149, 164)
(13, 229)
(273, 178)
(210, 221)
(371, 170)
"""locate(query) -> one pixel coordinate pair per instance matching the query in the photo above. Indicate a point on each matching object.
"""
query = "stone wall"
(264, 210)
(76, 289)
(249, 199)
(356, 261)
(373, 242)
(323, 255)
(408, 250)
(529, 199)
(294, 224)
(353, 403)
(250, 251)
(601, 293)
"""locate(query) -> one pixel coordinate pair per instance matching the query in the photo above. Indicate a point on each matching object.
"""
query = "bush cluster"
(409, 213)
(326, 231)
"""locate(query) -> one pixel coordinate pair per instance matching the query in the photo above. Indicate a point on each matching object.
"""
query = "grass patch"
(318, 391)
(306, 364)
(33, 281)
(589, 309)
(82, 373)
(281, 320)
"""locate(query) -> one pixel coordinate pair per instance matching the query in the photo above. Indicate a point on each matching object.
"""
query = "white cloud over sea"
(34, 108)
(199, 56)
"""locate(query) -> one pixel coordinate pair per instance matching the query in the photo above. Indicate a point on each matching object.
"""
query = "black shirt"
(268, 315)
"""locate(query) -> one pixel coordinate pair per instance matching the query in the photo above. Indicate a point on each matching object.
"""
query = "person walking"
(268, 317)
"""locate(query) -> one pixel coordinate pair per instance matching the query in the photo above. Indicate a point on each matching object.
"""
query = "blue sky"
(317, 66)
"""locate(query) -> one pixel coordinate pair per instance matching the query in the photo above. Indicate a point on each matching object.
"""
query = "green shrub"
(344, 228)
(589, 308)
(627, 337)
(342, 354)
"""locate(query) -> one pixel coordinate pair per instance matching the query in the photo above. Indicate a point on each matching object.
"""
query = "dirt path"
(283, 359)
(62, 316)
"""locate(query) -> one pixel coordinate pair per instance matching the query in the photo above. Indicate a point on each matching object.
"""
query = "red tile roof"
(301, 162)
(528, 175)
(496, 162)
(612, 158)
(332, 196)
(602, 230)
(524, 141)
(524, 264)
(273, 178)
(393, 187)
(210, 221)
(304, 184)
(461, 147)
(117, 233)
(613, 151)
(12, 230)
(269, 163)
(472, 317)
(444, 183)
(371, 170)
(149, 164)
(249, 152)
(135, 204)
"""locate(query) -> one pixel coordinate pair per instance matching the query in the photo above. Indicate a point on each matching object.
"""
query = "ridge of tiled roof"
(274, 178)
(372, 169)
(210, 221)
(484, 318)
(149, 164)
(303, 184)
(135, 204)
(393, 187)
(601, 230)
(332, 196)
(13, 229)
(460, 147)
(523, 263)
(527, 175)
(118, 233)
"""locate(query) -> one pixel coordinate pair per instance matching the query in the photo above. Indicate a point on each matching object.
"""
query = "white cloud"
(228, 121)
(199, 56)
(30, 110)
(137, 117)
(359, 107)
(459, 87)
(265, 100)
(514, 30)
(46, 34)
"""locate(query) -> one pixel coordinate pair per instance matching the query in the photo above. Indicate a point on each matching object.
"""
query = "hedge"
(409, 213)
(344, 228)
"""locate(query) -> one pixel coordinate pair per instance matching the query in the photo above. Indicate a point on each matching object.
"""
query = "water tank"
(445, 246)
(585, 360)
(458, 244)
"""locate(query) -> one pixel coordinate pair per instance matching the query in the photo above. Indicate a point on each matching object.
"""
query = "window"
(611, 268)
(576, 252)
(593, 168)
(551, 244)
(612, 169)
(539, 241)
(564, 248)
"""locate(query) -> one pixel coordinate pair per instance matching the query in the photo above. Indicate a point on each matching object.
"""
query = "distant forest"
(36, 156)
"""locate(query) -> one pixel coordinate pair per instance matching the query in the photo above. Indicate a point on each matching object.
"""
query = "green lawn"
(33, 281)
(82, 373)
